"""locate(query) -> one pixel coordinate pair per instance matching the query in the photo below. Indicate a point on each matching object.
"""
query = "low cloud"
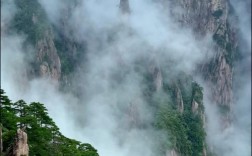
(236, 139)
(114, 45)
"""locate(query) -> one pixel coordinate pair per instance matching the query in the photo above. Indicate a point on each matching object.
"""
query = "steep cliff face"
(71, 50)
(59, 53)
(47, 58)
(213, 17)
(203, 16)
(172, 153)
(157, 77)
(31, 20)
(208, 17)
(179, 100)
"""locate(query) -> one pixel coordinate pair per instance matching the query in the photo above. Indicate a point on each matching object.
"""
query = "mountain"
(158, 77)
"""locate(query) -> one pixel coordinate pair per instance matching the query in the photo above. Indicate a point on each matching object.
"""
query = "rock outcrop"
(157, 77)
(213, 17)
(179, 100)
(30, 19)
(47, 58)
(171, 153)
(195, 106)
(20, 147)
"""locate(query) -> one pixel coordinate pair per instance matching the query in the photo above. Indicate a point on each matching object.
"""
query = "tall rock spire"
(124, 6)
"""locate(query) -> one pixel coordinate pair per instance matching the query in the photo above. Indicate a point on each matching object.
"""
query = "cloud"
(109, 84)
(236, 139)
(8, 10)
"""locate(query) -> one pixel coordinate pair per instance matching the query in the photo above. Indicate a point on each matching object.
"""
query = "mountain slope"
(143, 78)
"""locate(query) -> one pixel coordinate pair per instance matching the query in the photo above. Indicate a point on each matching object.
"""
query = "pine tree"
(44, 137)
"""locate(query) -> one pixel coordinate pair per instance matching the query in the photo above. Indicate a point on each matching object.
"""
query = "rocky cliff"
(32, 21)
(58, 53)
(208, 17)
(19, 146)
(213, 17)
(47, 58)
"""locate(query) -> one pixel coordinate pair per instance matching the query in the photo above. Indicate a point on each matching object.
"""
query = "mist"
(236, 138)
(101, 116)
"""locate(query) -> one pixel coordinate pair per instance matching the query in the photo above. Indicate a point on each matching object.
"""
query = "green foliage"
(30, 20)
(170, 120)
(71, 53)
(67, 62)
(44, 138)
(195, 132)
(184, 130)
(197, 92)
(8, 121)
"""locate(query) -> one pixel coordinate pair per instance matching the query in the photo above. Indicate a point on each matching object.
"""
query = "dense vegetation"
(30, 19)
(44, 137)
(185, 130)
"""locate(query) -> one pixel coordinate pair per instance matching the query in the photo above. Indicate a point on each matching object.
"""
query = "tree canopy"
(44, 137)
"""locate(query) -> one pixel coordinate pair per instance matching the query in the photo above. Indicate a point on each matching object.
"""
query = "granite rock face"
(20, 146)
(172, 153)
(47, 58)
(195, 106)
(179, 100)
(213, 17)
